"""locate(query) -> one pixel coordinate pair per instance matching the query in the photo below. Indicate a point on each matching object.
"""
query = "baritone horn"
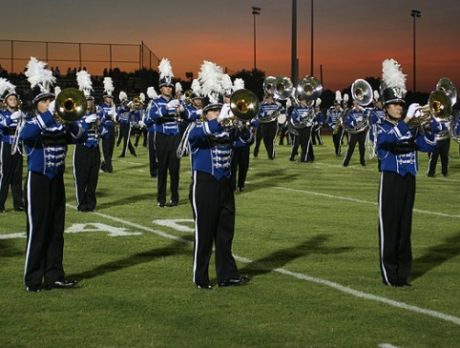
(71, 105)
(244, 105)
(361, 91)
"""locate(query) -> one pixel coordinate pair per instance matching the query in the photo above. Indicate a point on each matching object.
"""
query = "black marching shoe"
(161, 205)
(173, 204)
(241, 280)
(62, 284)
(19, 208)
(32, 288)
(206, 286)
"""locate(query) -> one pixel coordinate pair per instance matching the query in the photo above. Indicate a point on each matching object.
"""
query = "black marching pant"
(359, 138)
(240, 165)
(283, 131)
(125, 133)
(166, 146)
(316, 136)
(86, 162)
(268, 132)
(213, 205)
(10, 175)
(304, 140)
(337, 139)
(108, 143)
(257, 140)
(152, 155)
(442, 150)
(45, 201)
(396, 201)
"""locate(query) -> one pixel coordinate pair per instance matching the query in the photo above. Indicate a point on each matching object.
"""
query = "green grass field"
(305, 233)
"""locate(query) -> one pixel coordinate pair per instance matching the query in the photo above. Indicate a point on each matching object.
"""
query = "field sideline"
(305, 233)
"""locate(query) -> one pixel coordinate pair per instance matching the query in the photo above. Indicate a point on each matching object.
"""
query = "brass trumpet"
(71, 105)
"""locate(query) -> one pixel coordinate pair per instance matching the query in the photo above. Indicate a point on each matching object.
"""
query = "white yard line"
(302, 276)
(344, 198)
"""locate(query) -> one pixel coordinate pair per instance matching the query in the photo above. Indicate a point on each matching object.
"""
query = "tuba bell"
(244, 105)
(361, 91)
(439, 106)
(269, 85)
(71, 105)
(309, 88)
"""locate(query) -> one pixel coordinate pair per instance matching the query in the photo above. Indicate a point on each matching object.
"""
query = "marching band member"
(139, 126)
(317, 124)
(301, 118)
(397, 146)
(107, 113)
(334, 120)
(150, 126)
(268, 123)
(211, 195)
(376, 118)
(87, 155)
(194, 109)
(10, 159)
(356, 126)
(241, 155)
(45, 143)
(442, 151)
(164, 113)
(345, 108)
(124, 118)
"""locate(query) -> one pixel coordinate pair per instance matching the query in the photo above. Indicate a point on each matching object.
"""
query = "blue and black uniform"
(86, 163)
(301, 119)
(125, 120)
(45, 144)
(212, 197)
(167, 138)
(107, 115)
(318, 122)
(10, 164)
(356, 125)
(334, 120)
(268, 127)
(397, 147)
(442, 150)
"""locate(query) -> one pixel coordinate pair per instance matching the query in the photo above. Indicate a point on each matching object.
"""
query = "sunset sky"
(352, 37)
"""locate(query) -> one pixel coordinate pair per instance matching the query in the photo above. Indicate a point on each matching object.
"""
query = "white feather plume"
(142, 96)
(122, 96)
(392, 76)
(318, 101)
(151, 93)
(165, 68)
(178, 87)
(38, 75)
(57, 90)
(227, 83)
(238, 84)
(376, 95)
(6, 85)
(196, 87)
(346, 97)
(210, 77)
(338, 96)
(84, 82)
(108, 85)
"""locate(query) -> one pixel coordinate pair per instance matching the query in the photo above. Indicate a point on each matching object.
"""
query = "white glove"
(181, 108)
(141, 124)
(51, 106)
(15, 115)
(413, 110)
(199, 112)
(173, 104)
(91, 118)
(224, 113)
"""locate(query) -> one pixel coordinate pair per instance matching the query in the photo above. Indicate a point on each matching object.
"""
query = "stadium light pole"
(311, 40)
(294, 63)
(255, 12)
(415, 14)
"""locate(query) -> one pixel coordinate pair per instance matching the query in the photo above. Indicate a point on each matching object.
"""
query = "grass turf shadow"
(176, 248)
(280, 258)
(436, 255)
